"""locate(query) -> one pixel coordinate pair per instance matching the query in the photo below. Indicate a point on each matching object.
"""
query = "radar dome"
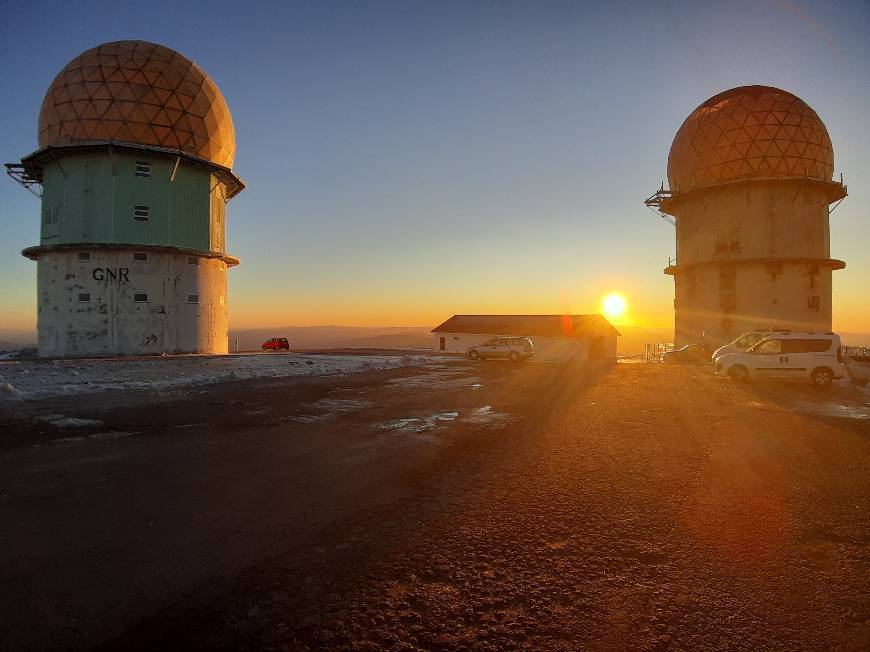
(750, 132)
(142, 93)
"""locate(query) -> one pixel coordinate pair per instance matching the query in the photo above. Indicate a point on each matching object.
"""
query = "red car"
(276, 344)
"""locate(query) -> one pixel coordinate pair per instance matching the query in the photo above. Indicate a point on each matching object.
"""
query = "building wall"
(546, 348)
(90, 197)
(112, 322)
(772, 219)
(765, 296)
(752, 255)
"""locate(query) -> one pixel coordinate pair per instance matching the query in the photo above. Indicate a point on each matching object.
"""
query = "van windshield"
(754, 347)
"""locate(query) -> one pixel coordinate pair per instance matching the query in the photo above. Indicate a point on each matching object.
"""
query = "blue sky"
(410, 160)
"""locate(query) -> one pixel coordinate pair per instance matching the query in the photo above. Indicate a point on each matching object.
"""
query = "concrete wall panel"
(91, 308)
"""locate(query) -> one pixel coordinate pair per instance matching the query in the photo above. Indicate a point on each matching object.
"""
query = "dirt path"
(647, 509)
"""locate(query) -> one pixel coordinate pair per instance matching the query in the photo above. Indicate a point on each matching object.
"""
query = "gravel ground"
(453, 506)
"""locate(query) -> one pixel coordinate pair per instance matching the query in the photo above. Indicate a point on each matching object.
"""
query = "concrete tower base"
(96, 301)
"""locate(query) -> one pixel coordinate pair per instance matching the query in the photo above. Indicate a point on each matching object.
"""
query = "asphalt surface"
(456, 506)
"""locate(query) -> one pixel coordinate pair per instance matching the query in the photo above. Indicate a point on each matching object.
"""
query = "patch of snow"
(340, 405)
(258, 411)
(35, 379)
(47, 418)
(26, 352)
(309, 418)
(436, 380)
(486, 414)
(73, 422)
(831, 409)
(10, 390)
(100, 436)
(417, 425)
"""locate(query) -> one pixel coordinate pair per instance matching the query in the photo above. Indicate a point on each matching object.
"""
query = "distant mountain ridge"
(394, 337)
(335, 337)
(414, 337)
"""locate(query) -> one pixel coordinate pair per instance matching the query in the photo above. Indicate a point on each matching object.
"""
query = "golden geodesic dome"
(138, 92)
(746, 132)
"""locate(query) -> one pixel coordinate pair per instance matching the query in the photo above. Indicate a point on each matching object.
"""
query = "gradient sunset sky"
(407, 161)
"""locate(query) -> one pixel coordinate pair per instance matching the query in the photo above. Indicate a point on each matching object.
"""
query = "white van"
(813, 356)
(744, 342)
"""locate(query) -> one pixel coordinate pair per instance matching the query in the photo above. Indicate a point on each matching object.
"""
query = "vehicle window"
(743, 342)
(806, 346)
(489, 343)
(820, 346)
(768, 347)
(755, 338)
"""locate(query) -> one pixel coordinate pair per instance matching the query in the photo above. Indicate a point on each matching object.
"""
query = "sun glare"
(613, 304)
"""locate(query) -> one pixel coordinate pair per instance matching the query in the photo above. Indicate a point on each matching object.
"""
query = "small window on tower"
(140, 297)
(141, 213)
(140, 256)
(84, 256)
(814, 302)
(192, 260)
(143, 168)
(774, 269)
(192, 298)
(51, 214)
(84, 297)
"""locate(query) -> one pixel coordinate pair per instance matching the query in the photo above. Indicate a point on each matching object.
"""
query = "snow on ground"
(33, 379)
(414, 424)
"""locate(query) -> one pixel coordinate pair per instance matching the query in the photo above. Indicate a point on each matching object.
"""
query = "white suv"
(814, 356)
(512, 348)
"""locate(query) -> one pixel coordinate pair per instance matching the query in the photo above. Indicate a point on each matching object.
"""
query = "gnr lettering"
(119, 275)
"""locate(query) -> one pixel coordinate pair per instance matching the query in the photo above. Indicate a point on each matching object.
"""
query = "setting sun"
(614, 305)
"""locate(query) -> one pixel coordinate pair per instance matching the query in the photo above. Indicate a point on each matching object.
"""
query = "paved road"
(450, 507)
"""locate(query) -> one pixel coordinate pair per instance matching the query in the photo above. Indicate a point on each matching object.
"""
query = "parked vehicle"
(689, 354)
(814, 356)
(745, 341)
(511, 348)
(276, 344)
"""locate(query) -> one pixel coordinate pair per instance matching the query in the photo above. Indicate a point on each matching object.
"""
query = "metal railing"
(653, 352)
(857, 353)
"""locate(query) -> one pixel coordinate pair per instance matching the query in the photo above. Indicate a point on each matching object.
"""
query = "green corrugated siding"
(190, 198)
(96, 194)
